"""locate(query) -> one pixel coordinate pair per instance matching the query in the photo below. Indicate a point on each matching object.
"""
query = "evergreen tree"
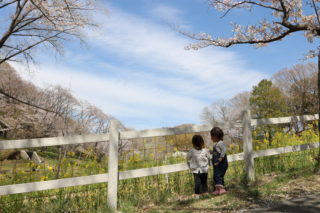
(267, 101)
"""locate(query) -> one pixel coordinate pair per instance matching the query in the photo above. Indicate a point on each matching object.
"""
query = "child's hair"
(197, 142)
(217, 132)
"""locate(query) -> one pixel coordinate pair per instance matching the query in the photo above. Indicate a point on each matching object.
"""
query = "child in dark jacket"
(219, 160)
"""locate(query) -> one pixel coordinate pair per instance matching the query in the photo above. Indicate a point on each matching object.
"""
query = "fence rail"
(114, 137)
(55, 141)
(137, 173)
(126, 135)
(283, 120)
(53, 184)
(283, 150)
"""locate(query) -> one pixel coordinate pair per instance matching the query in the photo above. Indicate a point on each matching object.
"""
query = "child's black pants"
(219, 172)
(200, 183)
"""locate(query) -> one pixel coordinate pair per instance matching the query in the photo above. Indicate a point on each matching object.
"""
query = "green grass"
(160, 193)
(163, 190)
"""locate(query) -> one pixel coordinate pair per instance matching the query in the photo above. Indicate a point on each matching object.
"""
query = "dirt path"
(305, 204)
(299, 195)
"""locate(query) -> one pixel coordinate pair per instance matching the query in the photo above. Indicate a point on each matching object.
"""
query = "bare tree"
(40, 23)
(15, 89)
(90, 116)
(207, 116)
(223, 109)
(60, 100)
(226, 110)
(218, 112)
(36, 23)
(10, 82)
(299, 84)
(239, 103)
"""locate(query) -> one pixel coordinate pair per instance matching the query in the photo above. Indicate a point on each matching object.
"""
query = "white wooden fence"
(115, 136)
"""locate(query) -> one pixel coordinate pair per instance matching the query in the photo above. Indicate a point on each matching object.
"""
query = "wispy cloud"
(161, 51)
(139, 71)
(121, 98)
(169, 15)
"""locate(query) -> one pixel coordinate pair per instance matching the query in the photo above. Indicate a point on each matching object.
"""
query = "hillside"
(27, 111)
(32, 112)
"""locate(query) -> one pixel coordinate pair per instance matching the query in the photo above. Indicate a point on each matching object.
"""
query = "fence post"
(113, 165)
(247, 145)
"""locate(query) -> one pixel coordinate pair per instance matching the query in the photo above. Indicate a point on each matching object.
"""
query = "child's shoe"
(217, 191)
(195, 196)
(222, 191)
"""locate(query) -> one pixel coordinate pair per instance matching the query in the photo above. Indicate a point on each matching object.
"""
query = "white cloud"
(119, 98)
(145, 76)
(143, 42)
(168, 15)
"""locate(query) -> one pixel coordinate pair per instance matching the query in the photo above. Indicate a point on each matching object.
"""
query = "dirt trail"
(307, 204)
(301, 195)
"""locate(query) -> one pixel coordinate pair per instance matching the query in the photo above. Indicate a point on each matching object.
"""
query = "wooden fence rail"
(114, 137)
(136, 173)
(80, 139)
(55, 141)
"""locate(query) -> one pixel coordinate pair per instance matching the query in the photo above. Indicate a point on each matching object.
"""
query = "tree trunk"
(318, 163)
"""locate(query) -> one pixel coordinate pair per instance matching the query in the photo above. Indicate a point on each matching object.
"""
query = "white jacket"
(199, 160)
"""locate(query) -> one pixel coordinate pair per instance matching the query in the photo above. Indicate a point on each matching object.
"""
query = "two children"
(199, 159)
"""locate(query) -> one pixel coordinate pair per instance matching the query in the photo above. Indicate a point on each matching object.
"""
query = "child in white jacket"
(198, 160)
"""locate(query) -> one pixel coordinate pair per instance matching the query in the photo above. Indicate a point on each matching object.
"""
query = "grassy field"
(168, 192)
(160, 193)
(269, 190)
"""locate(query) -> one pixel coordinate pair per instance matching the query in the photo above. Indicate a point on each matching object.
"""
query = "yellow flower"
(50, 168)
(44, 178)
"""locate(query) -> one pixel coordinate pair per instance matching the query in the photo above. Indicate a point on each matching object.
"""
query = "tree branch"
(68, 7)
(29, 47)
(7, 4)
(27, 103)
(43, 13)
(239, 4)
(263, 33)
(6, 35)
(232, 42)
(316, 11)
(29, 18)
(28, 22)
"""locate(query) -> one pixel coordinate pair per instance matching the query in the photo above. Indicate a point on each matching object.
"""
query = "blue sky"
(135, 67)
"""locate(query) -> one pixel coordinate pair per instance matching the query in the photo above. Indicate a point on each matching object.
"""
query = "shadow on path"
(307, 204)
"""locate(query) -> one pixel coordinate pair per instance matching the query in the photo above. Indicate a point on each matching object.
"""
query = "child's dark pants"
(200, 183)
(219, 172)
